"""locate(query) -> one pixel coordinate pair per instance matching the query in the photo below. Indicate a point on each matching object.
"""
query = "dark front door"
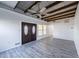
(28, 32)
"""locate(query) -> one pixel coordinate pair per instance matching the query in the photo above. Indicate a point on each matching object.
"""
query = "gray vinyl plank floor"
(44, 48)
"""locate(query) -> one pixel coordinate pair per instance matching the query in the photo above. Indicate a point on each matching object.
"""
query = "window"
(41, 30)
(44, 29)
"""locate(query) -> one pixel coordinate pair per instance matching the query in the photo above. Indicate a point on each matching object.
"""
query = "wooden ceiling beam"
(62, 14)
(66, 6)
(31, 6)
(61, 18)
(53, 4)
(72, 15)
(73, 9)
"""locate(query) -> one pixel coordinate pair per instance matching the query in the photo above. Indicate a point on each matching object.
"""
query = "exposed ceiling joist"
(53, 19)
(66, 6)
(73, 11)
(57, 13)
(72, 15)
(31, 6)
(60, 16)
(62, 12)
(63, 15)
(53, 4)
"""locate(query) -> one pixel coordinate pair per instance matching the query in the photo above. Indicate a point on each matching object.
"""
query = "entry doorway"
(28, 32)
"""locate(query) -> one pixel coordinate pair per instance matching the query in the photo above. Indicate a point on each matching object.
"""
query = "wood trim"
(53, 4)
(73, 9)
(66, 6)
(31, 6)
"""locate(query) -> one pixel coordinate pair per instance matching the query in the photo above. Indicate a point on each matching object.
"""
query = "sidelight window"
(41, 30)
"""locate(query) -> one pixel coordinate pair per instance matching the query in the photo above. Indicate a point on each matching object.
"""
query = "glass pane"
(44, 29)
(40, 30)
(40, 27)
(26, 30)
(33, 29)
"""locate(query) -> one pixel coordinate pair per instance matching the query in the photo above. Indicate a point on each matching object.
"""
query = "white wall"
(62, 30)
(10, 28)
(50, 29)
(76, 29)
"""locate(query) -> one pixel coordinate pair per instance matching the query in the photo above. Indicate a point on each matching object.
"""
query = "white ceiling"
(10, 3)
